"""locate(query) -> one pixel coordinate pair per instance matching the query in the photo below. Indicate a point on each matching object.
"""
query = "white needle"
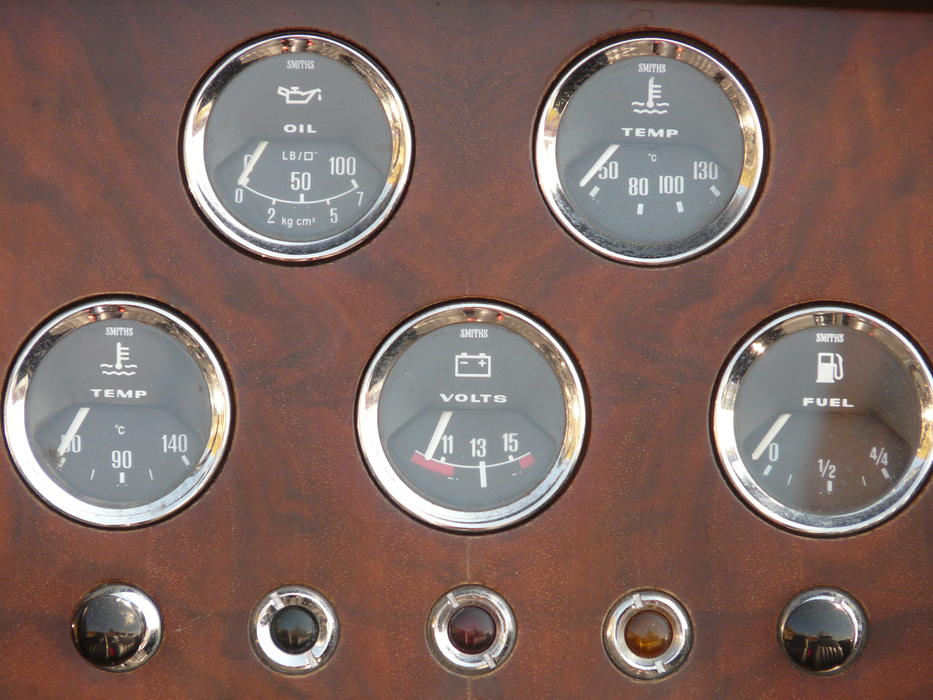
(770, 435)
(243, 180)
(601, 161)
(438, 433)
(72, 429)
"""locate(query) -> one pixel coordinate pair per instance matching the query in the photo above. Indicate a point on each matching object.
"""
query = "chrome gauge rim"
(556, 103)
(378, 462)
(16, 431)
(738, 473)
(193, 145)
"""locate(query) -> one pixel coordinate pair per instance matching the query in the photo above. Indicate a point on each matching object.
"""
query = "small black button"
(294, 629)
(108, 630)
(822, 630)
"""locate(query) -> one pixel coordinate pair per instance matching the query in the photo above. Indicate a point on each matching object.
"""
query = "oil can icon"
(829, 368)
(475, 366)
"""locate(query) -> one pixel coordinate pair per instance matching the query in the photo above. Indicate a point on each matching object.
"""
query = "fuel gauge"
(824, 420)
(471, 416)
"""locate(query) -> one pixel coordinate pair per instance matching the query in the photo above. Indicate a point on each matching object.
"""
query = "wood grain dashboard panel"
(92, 202)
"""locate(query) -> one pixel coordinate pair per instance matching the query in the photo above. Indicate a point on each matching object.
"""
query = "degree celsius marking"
(303, 200)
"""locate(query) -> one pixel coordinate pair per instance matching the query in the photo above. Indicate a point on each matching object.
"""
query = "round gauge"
(823, 420)
(649, 150)
(117, 412)
(297, 147)
(471, 416)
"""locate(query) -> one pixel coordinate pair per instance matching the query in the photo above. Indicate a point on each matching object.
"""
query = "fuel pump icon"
(829, 369)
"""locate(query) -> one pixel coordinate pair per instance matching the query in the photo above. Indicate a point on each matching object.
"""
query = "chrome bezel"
(723, 421)
(841, 601)
(148, 612)
(265, 648)
(194, 134)
(631, 663)
(32, 354)
(602, 241)
(452, 658)
(367, 416)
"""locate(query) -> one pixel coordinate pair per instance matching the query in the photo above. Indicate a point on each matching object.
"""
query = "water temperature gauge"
(823, 420)
(649, 150)
(471, 416)
(297, 147)
(117, 412)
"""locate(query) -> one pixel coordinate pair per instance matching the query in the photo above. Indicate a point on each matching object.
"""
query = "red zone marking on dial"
(434, 465)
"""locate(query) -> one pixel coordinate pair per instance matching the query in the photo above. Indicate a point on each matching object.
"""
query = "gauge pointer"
(600, 162)
(243, 180)
(71, 432)
(438, 434)
(771, 434)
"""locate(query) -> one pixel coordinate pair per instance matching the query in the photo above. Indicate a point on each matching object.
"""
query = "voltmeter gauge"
(471, 416)
(297, 147)
(117, 412)
(823, 420)
(649, 150)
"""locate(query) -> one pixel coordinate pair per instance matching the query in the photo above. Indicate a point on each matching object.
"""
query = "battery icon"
(475, 366)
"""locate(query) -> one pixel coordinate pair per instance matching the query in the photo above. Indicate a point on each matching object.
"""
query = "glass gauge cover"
(117, 412)
(823, 420)
(297, 147)
(649, 150)
(471, 416)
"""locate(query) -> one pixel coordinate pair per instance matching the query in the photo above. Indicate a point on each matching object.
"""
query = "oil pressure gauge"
(297, 147)
(823, 420)
(117, 412)
(471, 416)
(649, 150)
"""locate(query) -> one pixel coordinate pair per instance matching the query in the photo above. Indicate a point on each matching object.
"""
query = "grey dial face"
(641, 154)
(304, 148)
(828, 417)
(124, 414)
(474, 417)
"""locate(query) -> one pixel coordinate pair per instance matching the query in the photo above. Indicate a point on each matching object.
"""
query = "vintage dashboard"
(489, 349)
